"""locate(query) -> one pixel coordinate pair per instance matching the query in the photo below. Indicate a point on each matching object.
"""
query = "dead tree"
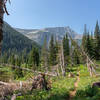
(91, 65)
(89, 68)
(40, 82)
(2, 11)
(61, 59)
(1, 20)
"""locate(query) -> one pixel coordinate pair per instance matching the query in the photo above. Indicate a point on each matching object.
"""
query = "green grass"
(61, 86)
(5, 74)
(59, 91)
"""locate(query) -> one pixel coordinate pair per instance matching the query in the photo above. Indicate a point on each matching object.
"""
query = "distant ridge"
(38, 34)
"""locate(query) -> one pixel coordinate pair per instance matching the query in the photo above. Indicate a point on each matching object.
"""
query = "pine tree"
(52, 51)
(44, 55)
(12, 59)
(34, 58)
(89, 46)
(23, 56)
(76, 57)
(18, 71)
(37, 57)
(88, 43)
(84, 38)
(93, 45)
(5, 58)
(66, 49)
(97, 42)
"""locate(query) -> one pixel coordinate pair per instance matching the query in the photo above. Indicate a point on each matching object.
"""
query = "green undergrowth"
(61, 86)
(59, 91)
(85, 90)
(5, 74)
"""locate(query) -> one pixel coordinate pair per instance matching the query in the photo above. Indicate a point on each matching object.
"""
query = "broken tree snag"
(1, 21)
(84, 54)
(39, 82)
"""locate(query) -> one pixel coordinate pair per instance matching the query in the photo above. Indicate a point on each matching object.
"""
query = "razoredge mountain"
(38, 35)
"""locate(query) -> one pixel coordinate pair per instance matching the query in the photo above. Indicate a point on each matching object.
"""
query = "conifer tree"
(23, 56)
(44, 56)
(97, 42)
(92, 45)
(84, 38)
(76, 57)
(12, 59)
(66, 49)
(89, 46)
(18, 71)
(52, 51)
(5, 58)
(88, 43)
(34, 58)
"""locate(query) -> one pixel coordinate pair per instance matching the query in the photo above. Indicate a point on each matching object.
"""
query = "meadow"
(60, 86)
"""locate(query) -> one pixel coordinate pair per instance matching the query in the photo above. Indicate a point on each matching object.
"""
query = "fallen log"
(30, 70)
(3, 83)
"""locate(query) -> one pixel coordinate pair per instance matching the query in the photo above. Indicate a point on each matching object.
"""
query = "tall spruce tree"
(12, 59)
(44, 56)
(52, 51)
(18, 73)
(89, 46)
(97, 41)
(34, 58)
(88, 43)
(76, 57)
(84, 38)
(66, 49)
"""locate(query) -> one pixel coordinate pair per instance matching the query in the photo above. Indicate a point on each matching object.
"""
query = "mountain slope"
(58, 32)
(15, 41)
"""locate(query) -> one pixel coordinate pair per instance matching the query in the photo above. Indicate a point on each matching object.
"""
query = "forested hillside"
(14, 41)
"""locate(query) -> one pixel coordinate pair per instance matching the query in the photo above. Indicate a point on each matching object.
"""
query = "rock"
(96, 84)
(71, 75)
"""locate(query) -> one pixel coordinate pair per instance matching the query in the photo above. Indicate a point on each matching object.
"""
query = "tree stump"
(40, 82)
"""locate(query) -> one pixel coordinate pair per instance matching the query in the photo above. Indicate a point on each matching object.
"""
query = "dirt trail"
(72, 93)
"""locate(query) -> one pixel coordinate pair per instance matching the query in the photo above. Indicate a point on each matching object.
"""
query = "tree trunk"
(62, 61)
(1, 21)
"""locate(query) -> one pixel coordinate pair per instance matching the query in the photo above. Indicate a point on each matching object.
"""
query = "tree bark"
(1, 21)
(62, 61)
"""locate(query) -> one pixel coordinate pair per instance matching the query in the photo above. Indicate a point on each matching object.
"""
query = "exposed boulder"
(96, 84)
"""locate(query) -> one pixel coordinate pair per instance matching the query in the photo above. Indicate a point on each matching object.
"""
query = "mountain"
(38, 34)
(14, 41)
